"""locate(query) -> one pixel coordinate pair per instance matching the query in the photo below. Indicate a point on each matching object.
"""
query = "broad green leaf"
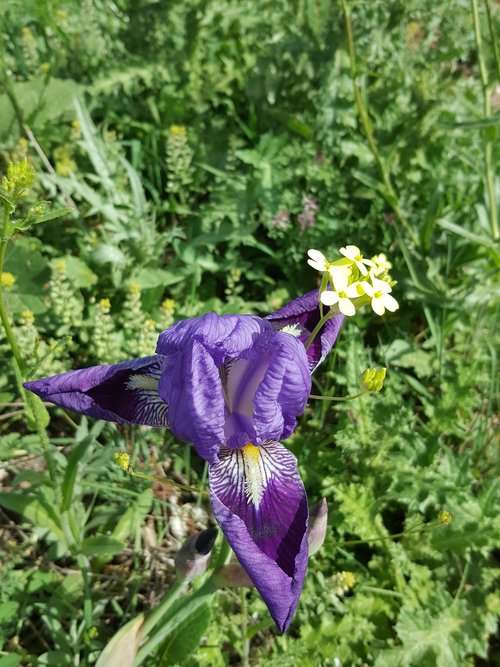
(101, 545)
(34, 510)
(185, 637)
(10, 660)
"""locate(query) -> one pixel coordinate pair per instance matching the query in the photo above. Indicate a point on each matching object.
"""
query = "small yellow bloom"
(372, 379)
(105, 304)
(7, 279)
(122, 459)
(445, 517)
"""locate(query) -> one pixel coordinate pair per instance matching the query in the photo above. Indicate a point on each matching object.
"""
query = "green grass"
(185, 136)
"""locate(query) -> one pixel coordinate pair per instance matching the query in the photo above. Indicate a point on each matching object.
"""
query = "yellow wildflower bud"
(122, 459)
(7, 279)
(168, 305)
(445, 517)
(134, 288)
(44, 68)
(348, 578)
(20, 176)
(105, 304)
(177, 131)
(372, 380)
(60, 266)
(27, 316)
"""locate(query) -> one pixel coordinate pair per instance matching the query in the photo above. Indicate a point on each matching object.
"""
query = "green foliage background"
(204, 147)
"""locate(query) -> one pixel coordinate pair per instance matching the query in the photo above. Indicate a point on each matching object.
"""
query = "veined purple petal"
(304, 311)
(231, 379)
(126, 392)
(260, 503)
(282, 395)
(191, 387)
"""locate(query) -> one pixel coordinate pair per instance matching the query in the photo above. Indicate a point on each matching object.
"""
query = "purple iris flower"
(232, 385)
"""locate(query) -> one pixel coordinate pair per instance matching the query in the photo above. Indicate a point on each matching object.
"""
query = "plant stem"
(245, 648)
(167, 601)
(3, 308)
(318, 328)
(487, 144)
(493, 38)
(337, 398)
(390, 194)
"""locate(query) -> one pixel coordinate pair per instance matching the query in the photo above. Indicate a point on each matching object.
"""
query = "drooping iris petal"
(260, 503)
(304, 311)
(231, 379)
(126, 392)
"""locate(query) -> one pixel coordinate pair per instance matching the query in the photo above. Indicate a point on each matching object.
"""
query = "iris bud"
(318, 517)
(193, 557)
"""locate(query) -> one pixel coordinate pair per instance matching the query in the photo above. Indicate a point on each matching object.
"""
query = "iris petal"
(232, 379)
(124, 392)
(305, 311)
(260, 503)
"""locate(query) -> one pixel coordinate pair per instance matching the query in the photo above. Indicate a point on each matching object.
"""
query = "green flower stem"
(318, 328)
(165, 480)
(3, 308)
(390, 196)
(493, 37)
(487, 143)
(245, 648)
(337, 398)
(177, 588)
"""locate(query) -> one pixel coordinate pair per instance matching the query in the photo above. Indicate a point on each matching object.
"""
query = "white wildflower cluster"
(352, 281)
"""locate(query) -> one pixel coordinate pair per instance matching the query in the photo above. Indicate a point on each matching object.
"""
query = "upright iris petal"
(231, 379)
(304, 313)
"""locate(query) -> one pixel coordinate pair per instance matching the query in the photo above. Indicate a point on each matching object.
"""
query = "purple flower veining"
(233, 386)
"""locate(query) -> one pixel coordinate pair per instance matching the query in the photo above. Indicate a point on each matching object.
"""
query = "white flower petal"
(347, 307)
(368, 289)
(316, 265)
(390, 302)
(354, 290)
(381, 286)
(329, 298)
(362, 268)
(378, 306)
(340, 276)
(318, 257)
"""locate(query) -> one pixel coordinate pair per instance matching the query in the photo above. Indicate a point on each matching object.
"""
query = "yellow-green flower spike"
(445, 517)
(372, 379)
(20, 177)
(122, 459)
